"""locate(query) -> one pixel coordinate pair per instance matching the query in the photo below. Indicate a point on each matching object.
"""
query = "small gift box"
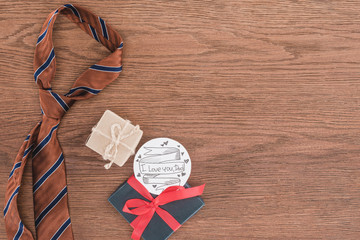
(114, 138)
(156, 217)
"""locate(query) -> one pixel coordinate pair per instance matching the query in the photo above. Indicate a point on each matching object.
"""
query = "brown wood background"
(263, 94)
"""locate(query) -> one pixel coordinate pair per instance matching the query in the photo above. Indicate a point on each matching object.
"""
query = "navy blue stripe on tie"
(46, 175)
(28, 137)
(17, 165)
(45, 65)
(105, 68)
(94, 33)
(44, 142)
(27, 150)
(11, 198)
(87, 89)
(19, 231)
(42, 36)
(121, 45)
(49, 207)
(103, 28)
(61, 230)
(74, 10)
(60, 101)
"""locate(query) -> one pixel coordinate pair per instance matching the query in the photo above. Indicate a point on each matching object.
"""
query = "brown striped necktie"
(52, 220)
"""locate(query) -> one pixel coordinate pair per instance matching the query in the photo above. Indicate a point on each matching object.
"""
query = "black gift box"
(157, 229)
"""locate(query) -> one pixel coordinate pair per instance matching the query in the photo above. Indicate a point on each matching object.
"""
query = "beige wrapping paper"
(114, 138)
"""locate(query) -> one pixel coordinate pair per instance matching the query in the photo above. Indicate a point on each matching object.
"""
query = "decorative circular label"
(161, 163)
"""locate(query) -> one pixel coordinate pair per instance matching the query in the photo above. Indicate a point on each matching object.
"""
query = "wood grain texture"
(263, 94)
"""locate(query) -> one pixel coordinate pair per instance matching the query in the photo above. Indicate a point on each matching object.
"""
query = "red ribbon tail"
(168, 218)
(136, 235)
(140, 223)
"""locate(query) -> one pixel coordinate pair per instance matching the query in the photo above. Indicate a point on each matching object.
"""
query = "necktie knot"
(54, 105)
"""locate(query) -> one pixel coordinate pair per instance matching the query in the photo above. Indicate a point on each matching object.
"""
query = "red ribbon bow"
(145, 210)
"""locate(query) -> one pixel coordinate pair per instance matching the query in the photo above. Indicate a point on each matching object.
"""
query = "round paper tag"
(161, 163)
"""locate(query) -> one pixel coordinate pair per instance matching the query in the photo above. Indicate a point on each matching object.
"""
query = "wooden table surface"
(263, 94)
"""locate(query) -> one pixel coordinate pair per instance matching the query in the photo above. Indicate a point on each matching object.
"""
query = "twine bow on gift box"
(117, 137)
(146, 209)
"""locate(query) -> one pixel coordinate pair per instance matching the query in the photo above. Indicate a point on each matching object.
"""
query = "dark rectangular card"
(157, 229)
